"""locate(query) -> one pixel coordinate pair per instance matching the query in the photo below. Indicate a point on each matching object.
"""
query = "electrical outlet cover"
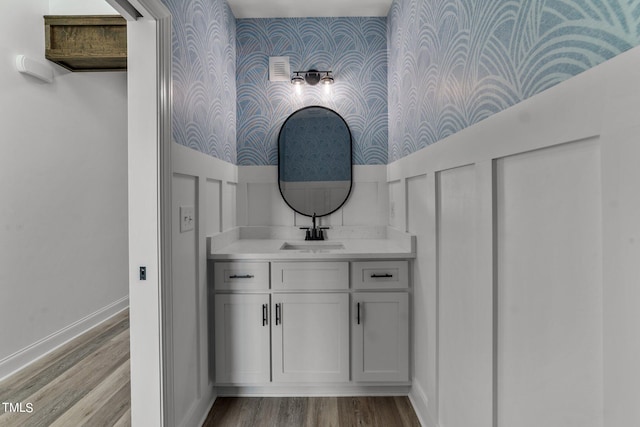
(187, 218)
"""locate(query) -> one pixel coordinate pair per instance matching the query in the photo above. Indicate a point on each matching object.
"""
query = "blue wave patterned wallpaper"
(454, 63)
(354, 48)
(204, 76)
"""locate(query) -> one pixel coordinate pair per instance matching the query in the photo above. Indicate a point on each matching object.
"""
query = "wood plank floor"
(86, 383)
(83, 383)
(311, 412)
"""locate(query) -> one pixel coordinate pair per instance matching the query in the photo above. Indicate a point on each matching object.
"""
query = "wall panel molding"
(549, 287)
(208, 184)
(260, 201)
(592, 108)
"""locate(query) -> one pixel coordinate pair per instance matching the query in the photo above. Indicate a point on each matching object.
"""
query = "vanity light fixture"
(312, 77)
(297, 79)
(327, 79)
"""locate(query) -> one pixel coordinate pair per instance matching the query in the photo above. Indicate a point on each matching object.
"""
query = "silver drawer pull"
(246, 276)
(377, 276)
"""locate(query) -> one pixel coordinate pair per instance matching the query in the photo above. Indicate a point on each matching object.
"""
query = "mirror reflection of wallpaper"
(204, 70)
(315, 149)
(354, 48)
(455, 63)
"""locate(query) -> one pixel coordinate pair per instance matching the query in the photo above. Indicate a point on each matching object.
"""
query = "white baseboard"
(204, 414)
(292, 390)
(38, 349)
(419, 400)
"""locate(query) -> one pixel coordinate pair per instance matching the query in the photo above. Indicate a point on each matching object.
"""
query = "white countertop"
(359, 243)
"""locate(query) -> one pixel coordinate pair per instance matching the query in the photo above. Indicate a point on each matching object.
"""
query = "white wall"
(526, 278)
(63, 187)
(209, 186)
(80, 7)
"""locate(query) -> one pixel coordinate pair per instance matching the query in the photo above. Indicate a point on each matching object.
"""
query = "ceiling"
(305, 8)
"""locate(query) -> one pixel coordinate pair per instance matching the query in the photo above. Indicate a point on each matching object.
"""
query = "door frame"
(149, 178)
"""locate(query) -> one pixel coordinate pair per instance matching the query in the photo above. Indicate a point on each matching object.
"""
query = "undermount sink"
(311, 246)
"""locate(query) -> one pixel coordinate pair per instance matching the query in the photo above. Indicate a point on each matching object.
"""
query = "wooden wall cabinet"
(86, 42)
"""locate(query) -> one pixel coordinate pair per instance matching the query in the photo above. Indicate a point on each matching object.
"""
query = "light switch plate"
(187, 218)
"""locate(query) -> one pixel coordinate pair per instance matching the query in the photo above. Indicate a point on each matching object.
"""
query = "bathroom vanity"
(312, 316)
(299, 317)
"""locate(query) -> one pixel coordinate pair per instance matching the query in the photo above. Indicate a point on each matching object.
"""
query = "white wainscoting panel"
(367, 204)
(213, 206)
(260, 201)
(397, 204)
(529, 274)
(464, 306)
(549, 257)
(209, 185)
(421, 222)
(185, 301)
(266, 206)
(229, 205)
(621, 243)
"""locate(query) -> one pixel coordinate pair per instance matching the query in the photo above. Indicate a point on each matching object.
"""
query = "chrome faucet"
(315, 232)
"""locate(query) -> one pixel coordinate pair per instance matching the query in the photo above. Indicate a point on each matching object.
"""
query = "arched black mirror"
(314, 161)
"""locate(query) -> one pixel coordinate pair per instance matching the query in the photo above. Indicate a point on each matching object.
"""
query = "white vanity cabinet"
(310, 335)
(242, 333)
(242, 338)
(380, 275)
(310, 332)
(380, 336)
(380, 321)
(304, 323)
(241, 276)
(299, 276)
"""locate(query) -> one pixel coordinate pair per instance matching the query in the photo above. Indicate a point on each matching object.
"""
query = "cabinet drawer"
(310, 275)
(241, 276)
(380, 274)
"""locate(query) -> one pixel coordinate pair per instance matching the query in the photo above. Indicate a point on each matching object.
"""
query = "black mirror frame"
(350, 160)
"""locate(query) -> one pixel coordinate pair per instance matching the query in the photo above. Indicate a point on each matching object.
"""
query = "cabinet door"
(242, 339)
(311, 337)
(380, 342)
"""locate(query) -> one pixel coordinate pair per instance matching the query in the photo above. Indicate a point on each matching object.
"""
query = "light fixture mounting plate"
(312, 77)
